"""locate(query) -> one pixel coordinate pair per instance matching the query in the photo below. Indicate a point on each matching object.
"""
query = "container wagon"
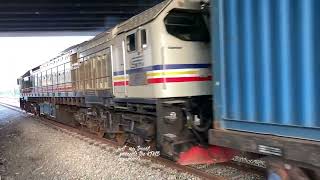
(266, 85)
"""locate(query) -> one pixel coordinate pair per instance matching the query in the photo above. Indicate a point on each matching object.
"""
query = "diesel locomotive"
(147, 81)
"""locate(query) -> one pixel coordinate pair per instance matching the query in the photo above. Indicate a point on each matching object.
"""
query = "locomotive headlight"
(172, 116)
(197, 120)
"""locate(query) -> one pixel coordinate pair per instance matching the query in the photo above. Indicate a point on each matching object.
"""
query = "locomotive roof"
(143, 17)
(69, 49)
(127, 25)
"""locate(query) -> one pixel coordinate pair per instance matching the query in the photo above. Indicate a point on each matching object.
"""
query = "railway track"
(202, 171)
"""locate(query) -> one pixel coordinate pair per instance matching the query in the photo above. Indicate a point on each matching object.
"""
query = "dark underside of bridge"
(67, 15)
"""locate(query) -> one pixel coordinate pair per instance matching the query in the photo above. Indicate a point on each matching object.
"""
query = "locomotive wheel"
(152, 145)
(121, 139)
(138, 140)
(100, 134)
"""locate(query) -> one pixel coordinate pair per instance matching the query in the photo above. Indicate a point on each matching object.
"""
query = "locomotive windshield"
(187, 26)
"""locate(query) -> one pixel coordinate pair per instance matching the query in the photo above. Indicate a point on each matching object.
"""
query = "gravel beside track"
(229, 172)
(31, 150)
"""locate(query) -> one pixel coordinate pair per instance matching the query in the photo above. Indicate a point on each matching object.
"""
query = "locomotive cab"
(182, 81)
(161, 58)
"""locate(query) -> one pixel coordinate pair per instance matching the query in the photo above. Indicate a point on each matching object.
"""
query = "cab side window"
(143, 35)
(187, 26)
(131, 42)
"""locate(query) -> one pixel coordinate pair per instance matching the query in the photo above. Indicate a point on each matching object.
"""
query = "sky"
(20, 54)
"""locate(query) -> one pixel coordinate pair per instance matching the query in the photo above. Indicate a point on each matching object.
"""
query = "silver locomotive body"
(147, 81)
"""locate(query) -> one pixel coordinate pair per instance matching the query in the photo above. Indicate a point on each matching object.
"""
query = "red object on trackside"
(203, 155)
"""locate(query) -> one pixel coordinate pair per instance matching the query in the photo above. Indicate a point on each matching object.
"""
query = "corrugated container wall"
(266, 58)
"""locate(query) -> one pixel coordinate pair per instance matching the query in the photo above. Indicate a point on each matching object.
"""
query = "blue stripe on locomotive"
(162, 67)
